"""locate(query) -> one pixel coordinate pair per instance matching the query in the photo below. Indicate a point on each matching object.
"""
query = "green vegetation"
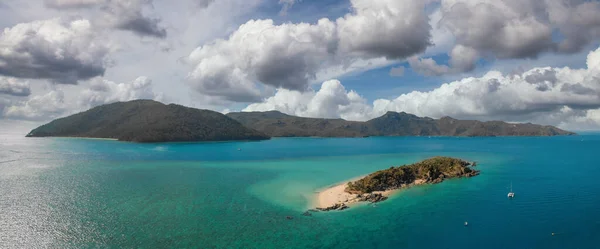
(148, 121)
(277, 124)
(433, 170)
(151, 121)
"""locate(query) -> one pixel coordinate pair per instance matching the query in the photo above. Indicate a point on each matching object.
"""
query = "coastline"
(91, 138)
(336, 195)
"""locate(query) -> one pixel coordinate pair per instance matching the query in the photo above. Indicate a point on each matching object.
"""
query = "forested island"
(148, 121)
(377, 186)
(151, 121)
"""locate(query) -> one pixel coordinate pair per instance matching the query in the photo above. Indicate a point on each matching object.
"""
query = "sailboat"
(511, 194)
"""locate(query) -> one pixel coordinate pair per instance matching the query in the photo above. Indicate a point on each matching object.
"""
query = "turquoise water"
(78, 193)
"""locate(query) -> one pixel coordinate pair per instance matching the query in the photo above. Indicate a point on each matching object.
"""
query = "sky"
(514, 60)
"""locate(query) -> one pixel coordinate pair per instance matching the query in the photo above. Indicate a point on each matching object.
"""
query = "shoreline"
(91, 138)
(336, 194)
(378, 186)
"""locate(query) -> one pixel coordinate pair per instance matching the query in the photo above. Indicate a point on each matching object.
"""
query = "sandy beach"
(336, 195)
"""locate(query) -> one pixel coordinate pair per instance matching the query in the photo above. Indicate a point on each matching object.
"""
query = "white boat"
(511, 194)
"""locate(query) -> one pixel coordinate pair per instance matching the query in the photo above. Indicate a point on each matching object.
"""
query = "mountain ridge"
(278, 124)
(152, 121)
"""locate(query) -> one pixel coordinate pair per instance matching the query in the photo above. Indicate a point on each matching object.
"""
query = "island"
(152, 121)
(148, 121)
(378, 186)
(277, 124)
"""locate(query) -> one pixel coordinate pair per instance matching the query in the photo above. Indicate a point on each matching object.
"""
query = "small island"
(378, 186)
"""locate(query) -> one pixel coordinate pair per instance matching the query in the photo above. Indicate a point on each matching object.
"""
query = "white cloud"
(57, 50)
(514, 97)
(569, 98)
(121, 14)
(291, 55)
(129, 15)
(427, 67)
(41, 107)
(55, 101)
(392, 29)
(14, 87)
(102, 91)
(280, 56)
(331, 101)
(515, 29)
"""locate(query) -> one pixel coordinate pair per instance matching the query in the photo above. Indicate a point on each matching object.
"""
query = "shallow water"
(73, 193)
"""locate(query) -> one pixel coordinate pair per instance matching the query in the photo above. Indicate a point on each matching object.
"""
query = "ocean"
(85, 193)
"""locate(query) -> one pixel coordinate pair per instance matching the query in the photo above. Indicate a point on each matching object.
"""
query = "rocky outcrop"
(433, 170)
(371, 197)
(337, 206)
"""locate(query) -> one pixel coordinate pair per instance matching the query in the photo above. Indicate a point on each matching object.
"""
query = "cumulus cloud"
(128, 15)
(102, 91)
(514, 29)
(55, 103)
(427, 67)
(532, 95)
(121, 14)
(60, 51)
(331, 101)
(570, 98)
(41, 107)
(393, 29)
(14, 87)
(290, 55)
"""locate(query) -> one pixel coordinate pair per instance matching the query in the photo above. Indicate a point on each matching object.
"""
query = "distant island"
(148, 121)
(377, 186)
(151, 121)
(277, 124)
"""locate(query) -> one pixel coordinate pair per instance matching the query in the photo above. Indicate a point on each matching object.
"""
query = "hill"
(277, 124)
(433, 170)
(148, 121)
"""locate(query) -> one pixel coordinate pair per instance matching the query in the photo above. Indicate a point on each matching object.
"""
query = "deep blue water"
(74, 193)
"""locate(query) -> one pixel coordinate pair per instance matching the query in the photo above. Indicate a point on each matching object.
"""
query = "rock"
(372, 197)
(337, 206)
(342, 207)
(307, 213)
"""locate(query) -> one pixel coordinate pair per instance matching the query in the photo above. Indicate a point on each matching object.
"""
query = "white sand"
(336, 194)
